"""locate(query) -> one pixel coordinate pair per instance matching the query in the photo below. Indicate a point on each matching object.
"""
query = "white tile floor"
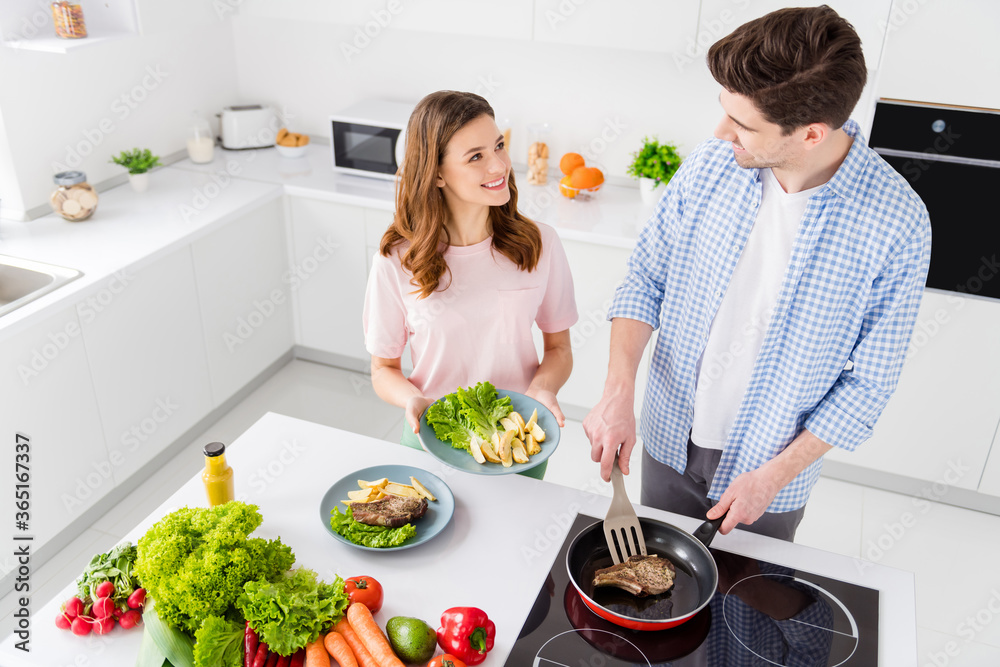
(953, 552)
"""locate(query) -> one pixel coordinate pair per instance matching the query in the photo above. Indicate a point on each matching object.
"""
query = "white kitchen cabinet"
(640, 25)
(597, 270)
(943, 416)
(990, 483)
(47, 396)
(245, 297)
(329, 271)
(143, 333)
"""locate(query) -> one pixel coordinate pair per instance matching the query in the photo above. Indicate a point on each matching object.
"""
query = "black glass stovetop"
(768, 615)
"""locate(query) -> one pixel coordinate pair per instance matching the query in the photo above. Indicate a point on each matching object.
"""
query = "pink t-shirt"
(479, 327)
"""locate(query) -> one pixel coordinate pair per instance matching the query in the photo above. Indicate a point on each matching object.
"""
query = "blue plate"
(438, 514)
(461, 459)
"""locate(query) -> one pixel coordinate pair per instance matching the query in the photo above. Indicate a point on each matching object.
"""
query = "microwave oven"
(368, 138)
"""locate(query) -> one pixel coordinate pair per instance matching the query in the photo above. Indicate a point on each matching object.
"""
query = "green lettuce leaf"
(377, 537)
(445, 417)
(219, 643)
(291, 611)
(483, 408)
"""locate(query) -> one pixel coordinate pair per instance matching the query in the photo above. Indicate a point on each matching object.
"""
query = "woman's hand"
(548, 399)
(415, 407)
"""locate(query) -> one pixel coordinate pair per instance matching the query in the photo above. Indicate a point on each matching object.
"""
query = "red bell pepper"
(467, 633)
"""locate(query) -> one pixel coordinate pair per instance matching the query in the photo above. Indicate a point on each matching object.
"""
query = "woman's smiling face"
(476, 167)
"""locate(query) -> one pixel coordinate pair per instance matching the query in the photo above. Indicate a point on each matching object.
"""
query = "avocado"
(413, 640)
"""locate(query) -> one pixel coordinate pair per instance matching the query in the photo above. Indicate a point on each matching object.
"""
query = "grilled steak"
(639, 575)
(391, 511)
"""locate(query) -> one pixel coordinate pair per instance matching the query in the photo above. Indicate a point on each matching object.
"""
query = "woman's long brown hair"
(421, 210)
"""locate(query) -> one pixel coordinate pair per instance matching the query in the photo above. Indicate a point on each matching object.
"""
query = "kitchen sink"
(24, 280)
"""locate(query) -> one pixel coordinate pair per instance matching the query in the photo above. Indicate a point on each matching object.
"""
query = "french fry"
(490, 453)
(530, 445)
(477, 452)
(519, 421)
(377, 484)
(421, 489)
(518, 452)
(395, 489)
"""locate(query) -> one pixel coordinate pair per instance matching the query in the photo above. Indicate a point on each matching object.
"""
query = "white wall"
(79, 108)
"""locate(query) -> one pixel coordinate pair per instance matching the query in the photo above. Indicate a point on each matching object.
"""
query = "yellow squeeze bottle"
(218, 476)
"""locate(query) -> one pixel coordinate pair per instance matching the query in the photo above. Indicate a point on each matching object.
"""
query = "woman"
(461, 275)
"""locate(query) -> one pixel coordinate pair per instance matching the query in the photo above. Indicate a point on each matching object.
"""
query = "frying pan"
(697, 576)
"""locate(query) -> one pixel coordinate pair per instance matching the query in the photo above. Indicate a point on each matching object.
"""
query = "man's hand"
(609, 425)
(746, 499)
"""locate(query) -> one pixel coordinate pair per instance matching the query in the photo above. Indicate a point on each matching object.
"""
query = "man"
(784, 267)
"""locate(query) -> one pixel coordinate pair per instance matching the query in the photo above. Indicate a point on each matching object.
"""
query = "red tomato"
(446, 660)
(365, 590)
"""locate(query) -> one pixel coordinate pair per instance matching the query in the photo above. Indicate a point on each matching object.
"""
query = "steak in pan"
(639, 575)
(391, 511)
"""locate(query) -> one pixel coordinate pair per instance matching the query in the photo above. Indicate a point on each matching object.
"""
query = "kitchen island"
(495, 553)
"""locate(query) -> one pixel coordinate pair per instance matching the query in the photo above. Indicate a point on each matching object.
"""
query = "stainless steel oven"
(951, 157)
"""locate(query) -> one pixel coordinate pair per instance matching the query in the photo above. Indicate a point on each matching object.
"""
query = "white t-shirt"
(738, 329)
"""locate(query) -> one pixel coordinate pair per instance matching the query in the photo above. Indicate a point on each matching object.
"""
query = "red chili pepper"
(298, 658)
(283, 661)
(250, 641)
(467, 633)
(272, 659)
(261, 657)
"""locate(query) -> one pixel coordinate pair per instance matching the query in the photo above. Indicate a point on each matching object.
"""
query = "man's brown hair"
(798, 66)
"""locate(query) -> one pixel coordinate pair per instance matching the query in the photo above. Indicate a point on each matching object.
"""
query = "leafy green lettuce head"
(195, 561)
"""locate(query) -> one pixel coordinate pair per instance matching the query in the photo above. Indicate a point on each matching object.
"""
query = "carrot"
(337, 647)
(360, 618)
(361, 654)
(316, 655)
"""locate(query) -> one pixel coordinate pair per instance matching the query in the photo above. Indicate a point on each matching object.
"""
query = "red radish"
(103, 608)
(130, 619)
(103, 626)
(137, 599)
(73, 607)
(81, 626)
(105, 589)
(63, 622)
(117, 613)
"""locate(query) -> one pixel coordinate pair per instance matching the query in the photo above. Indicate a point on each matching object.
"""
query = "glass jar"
(73, 197)
(200, 142)
(68, 20)
(218, 476)
(538, 153)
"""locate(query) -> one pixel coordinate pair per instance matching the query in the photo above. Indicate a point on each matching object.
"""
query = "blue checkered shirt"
(834, 348)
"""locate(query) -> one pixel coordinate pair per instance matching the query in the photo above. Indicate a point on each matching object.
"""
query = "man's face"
(757, 143)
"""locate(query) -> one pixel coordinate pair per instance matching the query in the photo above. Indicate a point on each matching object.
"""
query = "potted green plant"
(138, 161)
(654, 164)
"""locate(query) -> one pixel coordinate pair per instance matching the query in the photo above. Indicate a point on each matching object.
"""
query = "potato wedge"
(395, 489)
(508, 423)
(504, 452)
(531, 446)
(477, 452)
(421, 489)
(377, 484)
(519, 420)
(538, 433)
(519, 454)
(531, 422)
(490, 453)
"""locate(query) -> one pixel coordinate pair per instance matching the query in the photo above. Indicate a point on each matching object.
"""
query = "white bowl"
(291, 151)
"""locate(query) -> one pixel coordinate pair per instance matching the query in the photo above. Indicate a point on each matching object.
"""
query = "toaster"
(248, 126)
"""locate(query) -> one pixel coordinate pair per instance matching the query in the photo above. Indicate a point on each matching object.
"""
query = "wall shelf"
(27, 24)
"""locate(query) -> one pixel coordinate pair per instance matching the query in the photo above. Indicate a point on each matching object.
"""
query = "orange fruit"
(565, 189)
(569, 162)
(586, 178)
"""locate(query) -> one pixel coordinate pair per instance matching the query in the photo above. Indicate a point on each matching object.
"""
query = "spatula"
(621, 525)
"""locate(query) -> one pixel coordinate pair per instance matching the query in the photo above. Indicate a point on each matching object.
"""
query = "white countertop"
(187, 200)
(495, 553)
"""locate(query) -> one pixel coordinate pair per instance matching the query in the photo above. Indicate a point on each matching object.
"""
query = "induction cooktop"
(762, 614)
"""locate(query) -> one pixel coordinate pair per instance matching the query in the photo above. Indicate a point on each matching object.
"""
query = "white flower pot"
(650, 191)
(139, 182)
